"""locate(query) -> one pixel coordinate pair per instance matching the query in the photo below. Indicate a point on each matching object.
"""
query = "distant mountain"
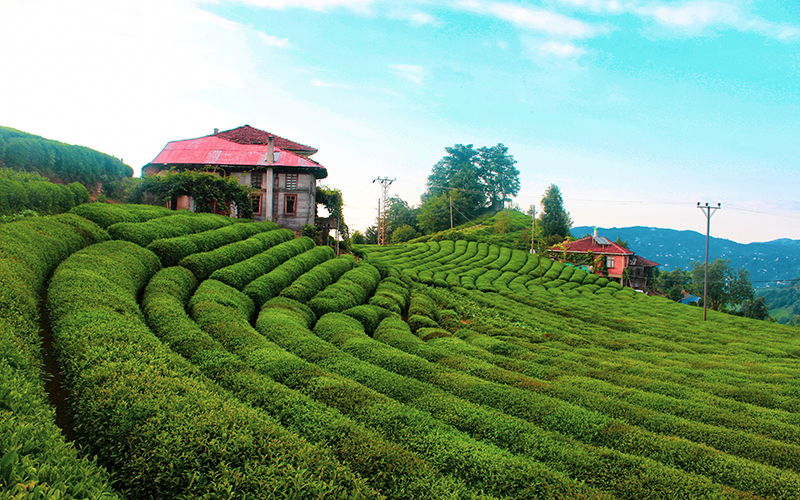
(770, 263)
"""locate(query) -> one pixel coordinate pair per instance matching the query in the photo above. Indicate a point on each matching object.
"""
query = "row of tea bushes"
(106, 215)
(479, 464)
(35, 459)
(490, 268)
(386, 466)
(626, 476)
(162, 428)
(317, 279)
(172, 250)
(181, 224)
(221, 261)
(350, 290)
(743, 472)
(20, 191)
(269, 285)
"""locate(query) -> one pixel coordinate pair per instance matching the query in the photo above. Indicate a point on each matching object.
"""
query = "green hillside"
(206, 357)
(62, 163)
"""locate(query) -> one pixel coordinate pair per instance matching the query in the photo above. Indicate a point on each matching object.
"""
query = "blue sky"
(636, 109)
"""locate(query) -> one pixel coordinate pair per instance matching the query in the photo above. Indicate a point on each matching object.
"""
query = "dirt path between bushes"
(54, 378)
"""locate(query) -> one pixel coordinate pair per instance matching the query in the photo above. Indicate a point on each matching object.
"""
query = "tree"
(756, 309)
(357, 238)
(674, 283)
(498, 174)
(434, 215)
(371, 235)
(726, 286)
(486, 176)
(554, 219)
(398, 214)
(403, 234)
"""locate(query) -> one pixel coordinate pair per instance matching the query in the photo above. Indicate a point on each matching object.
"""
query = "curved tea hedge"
(444, 369)
(35, 459)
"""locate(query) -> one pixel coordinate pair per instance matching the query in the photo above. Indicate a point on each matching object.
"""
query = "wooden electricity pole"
(708, 211)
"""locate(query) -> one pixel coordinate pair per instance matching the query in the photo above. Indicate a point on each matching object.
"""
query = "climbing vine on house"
(210, 192)
(331, 199)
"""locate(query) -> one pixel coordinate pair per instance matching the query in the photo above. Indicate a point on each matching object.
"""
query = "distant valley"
(770, 263)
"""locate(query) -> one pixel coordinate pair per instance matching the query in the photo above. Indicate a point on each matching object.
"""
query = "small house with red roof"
(616, 259)
(280, 171)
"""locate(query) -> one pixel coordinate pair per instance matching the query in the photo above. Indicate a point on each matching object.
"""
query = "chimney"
(216, 131)
(595, 233)
(270, 150)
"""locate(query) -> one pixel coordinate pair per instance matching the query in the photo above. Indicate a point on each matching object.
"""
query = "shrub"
(106, 215)
(219, 263)
(418, 321)
(144, 233)
(268, 286)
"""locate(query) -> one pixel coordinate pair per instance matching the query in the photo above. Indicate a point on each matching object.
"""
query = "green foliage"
(20, 191)
(270, 285)
(727, 287)
(554, 219)
(237, 264)
(63, 163)
(211, 193)
(352, 289)
(35, 459)
(173, 250)
(315, 280)
(144, 233)
(403, 233)
(484, 176)
(674, 283)
(106, 215)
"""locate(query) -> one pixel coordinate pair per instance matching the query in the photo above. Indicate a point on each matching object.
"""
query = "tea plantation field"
(209, 358)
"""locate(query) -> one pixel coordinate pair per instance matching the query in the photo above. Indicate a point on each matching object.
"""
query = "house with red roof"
(280, 171)
(616, 259)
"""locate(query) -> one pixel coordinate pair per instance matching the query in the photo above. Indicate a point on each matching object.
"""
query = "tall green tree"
(674, 283)
(434, 215)
(485, 176)
(554, 219)
(727, 287)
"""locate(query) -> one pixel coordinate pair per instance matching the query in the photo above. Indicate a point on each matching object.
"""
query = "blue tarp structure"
(690, 299)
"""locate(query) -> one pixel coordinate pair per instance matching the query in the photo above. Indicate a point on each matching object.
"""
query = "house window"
(256, 179)
(257, 204)
(291, 181)
(609, 262)
(290, 204)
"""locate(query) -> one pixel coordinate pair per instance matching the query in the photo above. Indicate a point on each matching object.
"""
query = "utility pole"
(708, 211)
(450, 193)
(533, 224)
(385, 183)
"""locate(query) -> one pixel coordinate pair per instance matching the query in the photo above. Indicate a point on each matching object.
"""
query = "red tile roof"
(641, 261)
(590, 244)
(212, 150)
(250, 135)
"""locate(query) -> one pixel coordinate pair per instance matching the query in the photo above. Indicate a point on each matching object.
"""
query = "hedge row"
(35, 459)
(388, 467)
(352, 289)
(144, 233)
(481, 465)
(743, 472)
(317, 279)
(163, 429)
(21, 191)
(583, 462)
(172, 250)
(270, 285)
(391, 294)
(206, 264)
(106, 215)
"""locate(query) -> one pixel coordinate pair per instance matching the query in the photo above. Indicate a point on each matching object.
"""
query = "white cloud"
(560, 49)
(695, 17)
(318, 5)
(532, 19)
(410, 72)
(273, 41)
(596, 5)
